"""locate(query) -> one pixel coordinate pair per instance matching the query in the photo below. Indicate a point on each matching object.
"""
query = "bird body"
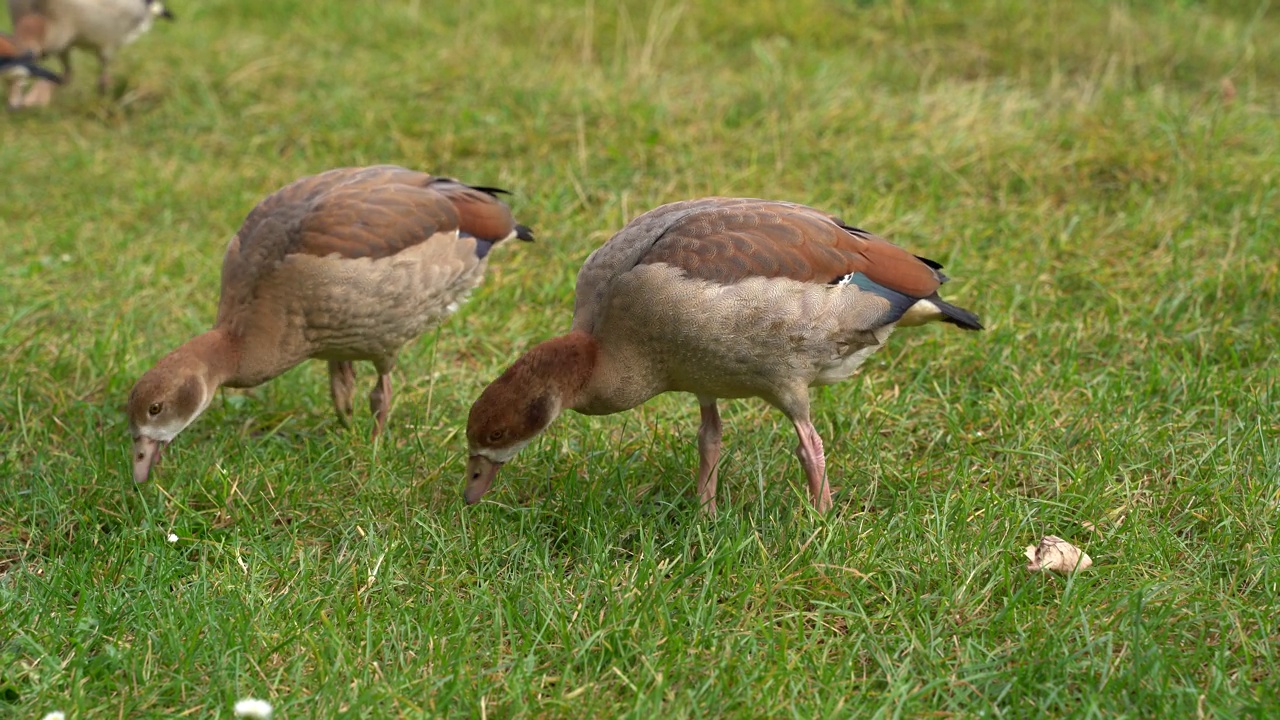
(343, 266)
(721, 298)
(99, 26)
(317, 249)
(95, 25)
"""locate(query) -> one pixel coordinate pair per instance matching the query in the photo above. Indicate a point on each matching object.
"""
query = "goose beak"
(480, 474)
(146, 453)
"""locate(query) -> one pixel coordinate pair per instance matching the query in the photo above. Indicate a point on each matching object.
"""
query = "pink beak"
(480, 474)
(146, 453)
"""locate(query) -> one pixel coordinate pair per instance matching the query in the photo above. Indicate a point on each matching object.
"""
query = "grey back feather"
(624, 251)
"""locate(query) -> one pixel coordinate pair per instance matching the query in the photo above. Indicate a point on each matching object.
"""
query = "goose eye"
(155, 409)
(496, 435)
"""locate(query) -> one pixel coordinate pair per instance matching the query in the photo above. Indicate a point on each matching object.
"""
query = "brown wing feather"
(372, 221)
(731, 241)
(368, 212)
(480, 214)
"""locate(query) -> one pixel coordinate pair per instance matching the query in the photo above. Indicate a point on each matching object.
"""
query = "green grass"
(1100, 179)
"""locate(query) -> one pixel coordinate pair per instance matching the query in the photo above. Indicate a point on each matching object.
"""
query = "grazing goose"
(342, 266)
(17, 64)
(722, 298)
(102, 26)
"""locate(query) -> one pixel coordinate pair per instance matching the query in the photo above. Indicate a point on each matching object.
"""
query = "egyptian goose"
(17, 64)
(103, 26)
(342, 266)
(722, 298)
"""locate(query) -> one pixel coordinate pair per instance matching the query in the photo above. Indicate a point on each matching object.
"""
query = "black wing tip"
(857, 231)
(931, 263)
(486, 189)
(489, 190)
(864, 234)
(484, 245)
(936, 267)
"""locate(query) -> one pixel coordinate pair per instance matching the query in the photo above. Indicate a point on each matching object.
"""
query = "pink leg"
(380, 402)
(708, 455)
(104, 77)
(39, 94)
(16, 91)
(815, 464)
(342, 387)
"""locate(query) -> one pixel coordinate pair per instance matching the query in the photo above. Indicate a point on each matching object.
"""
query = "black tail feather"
(37, 71)
(27, 61)
(957, 316)
(165, 13)
(484, 245)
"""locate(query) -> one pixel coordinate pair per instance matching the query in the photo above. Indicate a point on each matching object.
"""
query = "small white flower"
(172, 538)
(253, 708)
(55, 715)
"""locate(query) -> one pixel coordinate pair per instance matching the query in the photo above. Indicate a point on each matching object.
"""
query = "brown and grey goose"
(54, 27)
(342, 266)
(721, 298)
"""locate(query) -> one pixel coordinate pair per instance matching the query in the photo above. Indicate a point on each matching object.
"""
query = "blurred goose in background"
(721, 298)
(346, 265)
(101, 26)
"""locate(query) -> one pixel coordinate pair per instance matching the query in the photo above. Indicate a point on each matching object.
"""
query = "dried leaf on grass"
(1057, 555)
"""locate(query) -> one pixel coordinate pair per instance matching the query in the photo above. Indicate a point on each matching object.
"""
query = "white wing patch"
(922, 312)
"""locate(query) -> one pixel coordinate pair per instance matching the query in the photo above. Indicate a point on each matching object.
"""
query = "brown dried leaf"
(1057, 555)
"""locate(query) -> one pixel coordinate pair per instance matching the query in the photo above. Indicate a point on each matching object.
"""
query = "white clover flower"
(172, 538)
(253, 708)
(55, 715)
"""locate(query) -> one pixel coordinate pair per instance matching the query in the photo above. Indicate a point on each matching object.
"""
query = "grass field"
(1100, 178)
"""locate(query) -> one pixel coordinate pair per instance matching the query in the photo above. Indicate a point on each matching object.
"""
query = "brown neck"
(217, 350)
(566, 362)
